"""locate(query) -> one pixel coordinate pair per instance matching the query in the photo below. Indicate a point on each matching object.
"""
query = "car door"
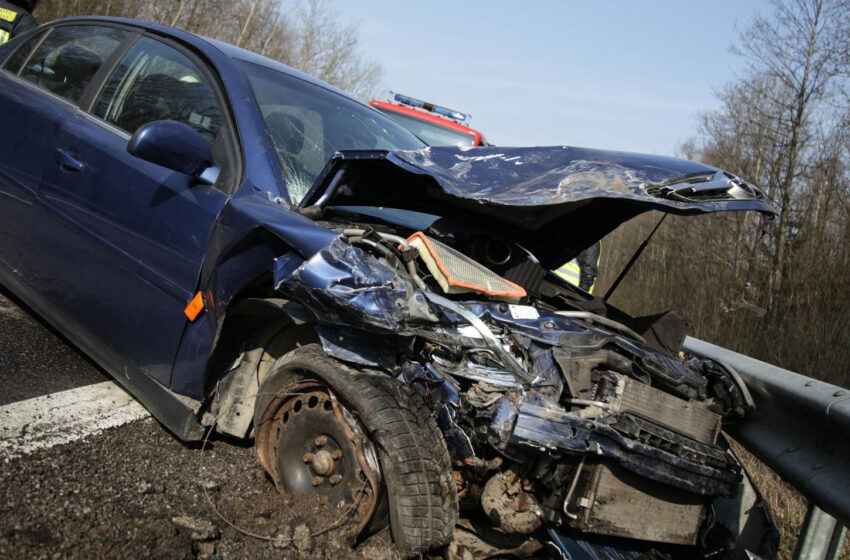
(143, 228)
(41, 86)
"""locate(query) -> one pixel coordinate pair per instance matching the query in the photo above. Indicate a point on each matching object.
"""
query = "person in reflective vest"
(582, 270)
(15, 18)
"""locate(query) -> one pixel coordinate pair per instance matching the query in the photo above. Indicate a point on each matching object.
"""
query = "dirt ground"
(136, 492)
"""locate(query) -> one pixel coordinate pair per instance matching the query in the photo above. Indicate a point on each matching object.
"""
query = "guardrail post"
(837, 543)
(822, 536)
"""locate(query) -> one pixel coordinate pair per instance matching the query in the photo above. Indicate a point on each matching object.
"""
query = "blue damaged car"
(250, 251)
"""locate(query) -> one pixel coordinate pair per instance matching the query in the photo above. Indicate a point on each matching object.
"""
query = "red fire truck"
(433, 124)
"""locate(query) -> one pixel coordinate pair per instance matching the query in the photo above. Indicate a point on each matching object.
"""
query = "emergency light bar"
(450, 113)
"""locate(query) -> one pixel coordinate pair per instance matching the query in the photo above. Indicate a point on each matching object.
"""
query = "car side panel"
(141, 232)
(29, 121)
(175, 413)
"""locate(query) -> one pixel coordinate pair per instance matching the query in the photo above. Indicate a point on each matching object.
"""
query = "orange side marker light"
(195, 307)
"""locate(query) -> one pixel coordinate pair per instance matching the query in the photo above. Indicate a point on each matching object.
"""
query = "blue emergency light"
(450, 113)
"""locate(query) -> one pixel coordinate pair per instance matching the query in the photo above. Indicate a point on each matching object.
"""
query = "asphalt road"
(34, 359)
(135, 491)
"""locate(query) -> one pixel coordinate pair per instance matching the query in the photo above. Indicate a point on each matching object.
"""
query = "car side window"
(68, 58)
(156, 82)
(14, 62)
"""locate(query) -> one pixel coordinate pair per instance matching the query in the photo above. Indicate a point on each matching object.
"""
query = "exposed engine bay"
(562, 414)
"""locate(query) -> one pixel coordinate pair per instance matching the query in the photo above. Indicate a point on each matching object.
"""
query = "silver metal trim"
(66, 103)
(40, 90)
(103, 124)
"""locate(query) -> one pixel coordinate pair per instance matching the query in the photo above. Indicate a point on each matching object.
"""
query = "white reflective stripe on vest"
(4, 36)
(570, 272)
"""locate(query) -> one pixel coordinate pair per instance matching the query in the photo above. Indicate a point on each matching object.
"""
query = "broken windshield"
(307, 124)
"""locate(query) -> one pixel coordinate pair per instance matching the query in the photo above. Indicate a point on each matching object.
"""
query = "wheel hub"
(323, 463)
(319, 449)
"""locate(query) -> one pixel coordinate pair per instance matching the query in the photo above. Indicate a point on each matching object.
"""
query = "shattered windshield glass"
(307, 124)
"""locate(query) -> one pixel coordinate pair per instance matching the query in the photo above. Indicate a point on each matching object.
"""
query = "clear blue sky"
(621, 75)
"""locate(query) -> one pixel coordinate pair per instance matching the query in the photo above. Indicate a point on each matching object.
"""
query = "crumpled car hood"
(555, 200)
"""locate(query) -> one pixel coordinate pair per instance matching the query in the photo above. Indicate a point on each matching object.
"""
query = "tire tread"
(415, 462)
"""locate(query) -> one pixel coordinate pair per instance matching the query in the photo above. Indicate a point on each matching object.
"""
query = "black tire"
(414, 461)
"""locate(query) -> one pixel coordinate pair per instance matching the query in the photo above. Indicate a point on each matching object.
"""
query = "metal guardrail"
(800, 429)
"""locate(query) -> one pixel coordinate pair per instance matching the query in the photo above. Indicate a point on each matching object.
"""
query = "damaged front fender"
(343, 285)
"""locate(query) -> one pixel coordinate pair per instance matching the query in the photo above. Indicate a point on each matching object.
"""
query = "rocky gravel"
(136, 492)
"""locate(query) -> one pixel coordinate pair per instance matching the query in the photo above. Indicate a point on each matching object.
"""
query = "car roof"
(202, 44)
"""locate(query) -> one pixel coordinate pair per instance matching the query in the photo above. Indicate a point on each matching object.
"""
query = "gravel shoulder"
(136, 492)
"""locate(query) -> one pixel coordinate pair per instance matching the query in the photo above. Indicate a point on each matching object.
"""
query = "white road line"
(63, 417)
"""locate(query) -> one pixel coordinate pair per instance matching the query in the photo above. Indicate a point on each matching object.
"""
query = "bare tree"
(802, 48)
(777, 291)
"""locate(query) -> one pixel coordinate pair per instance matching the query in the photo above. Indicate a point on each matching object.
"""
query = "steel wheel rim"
(316, 446)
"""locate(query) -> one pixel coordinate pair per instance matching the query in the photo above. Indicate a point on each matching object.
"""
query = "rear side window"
(68, 58)
(156, 82)
(14, 62)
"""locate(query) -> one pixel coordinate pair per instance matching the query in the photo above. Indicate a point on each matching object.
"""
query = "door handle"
(67, 160)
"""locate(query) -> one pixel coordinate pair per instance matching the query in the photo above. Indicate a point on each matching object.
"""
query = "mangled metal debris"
(559, 418)
(563, 402)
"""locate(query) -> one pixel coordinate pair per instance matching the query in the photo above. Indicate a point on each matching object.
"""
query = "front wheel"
(367, 442)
